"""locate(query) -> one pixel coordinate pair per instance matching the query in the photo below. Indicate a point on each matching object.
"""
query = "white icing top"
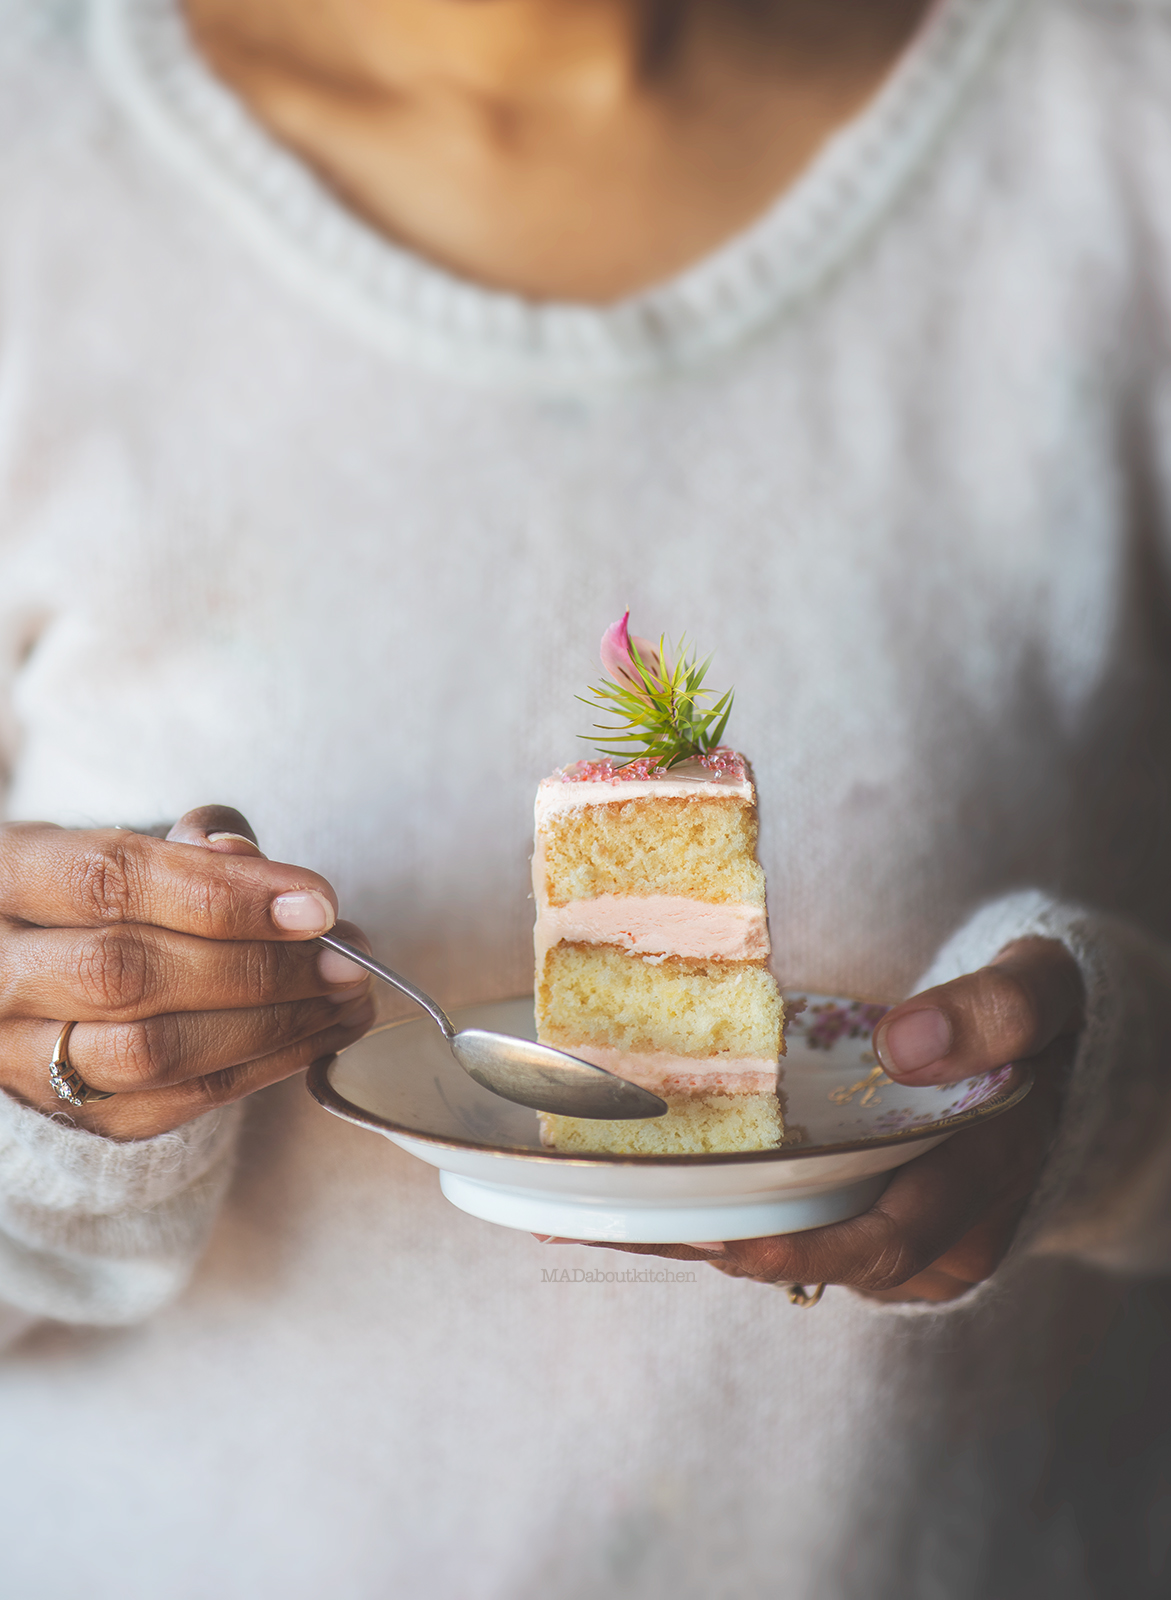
(595, 783)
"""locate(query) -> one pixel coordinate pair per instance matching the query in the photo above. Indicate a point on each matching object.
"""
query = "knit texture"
(100, 1231)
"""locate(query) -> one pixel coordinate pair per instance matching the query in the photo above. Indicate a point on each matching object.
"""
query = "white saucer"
(847, 1127)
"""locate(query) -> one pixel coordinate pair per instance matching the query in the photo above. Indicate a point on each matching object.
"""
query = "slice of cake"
(652, 935)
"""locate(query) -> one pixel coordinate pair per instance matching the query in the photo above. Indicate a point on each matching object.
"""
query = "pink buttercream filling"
(658, 924)
(664, 1073)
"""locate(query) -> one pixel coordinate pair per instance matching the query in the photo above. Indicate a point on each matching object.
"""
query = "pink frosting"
(664, 1073)
(658, 924)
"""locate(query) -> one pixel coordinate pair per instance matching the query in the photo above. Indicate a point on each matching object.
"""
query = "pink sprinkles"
(723, 764)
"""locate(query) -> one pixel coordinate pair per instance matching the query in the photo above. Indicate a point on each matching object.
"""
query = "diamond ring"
(66, 1080)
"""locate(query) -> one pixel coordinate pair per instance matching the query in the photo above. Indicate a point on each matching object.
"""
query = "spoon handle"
(401, 984)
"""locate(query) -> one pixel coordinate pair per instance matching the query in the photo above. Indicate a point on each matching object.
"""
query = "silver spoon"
(532, 1074)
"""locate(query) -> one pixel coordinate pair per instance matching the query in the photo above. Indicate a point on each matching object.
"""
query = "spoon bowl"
(531, 1074)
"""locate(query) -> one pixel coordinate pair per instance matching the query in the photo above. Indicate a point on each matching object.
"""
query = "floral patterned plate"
(847, 1127)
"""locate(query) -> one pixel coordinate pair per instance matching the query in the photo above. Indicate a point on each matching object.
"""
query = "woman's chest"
(361, 608)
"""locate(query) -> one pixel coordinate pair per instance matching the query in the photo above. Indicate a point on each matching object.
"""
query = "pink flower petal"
(615, 650)
(617, 660)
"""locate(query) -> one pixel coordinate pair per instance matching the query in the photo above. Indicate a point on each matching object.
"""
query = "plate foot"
(631, 1223)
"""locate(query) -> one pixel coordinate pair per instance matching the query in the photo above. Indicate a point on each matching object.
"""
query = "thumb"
(1013, 1008)
(219, 828)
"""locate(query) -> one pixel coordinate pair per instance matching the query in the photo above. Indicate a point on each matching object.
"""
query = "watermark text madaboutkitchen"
(618, 1275)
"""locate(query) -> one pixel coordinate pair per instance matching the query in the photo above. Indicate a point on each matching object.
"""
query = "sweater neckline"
(420, 313)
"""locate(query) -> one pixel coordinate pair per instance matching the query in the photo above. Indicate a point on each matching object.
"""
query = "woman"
(358, 363)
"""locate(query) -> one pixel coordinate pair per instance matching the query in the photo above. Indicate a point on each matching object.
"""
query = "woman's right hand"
(189, 965)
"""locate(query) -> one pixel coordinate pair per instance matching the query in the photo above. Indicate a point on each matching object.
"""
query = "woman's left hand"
(946, 1219)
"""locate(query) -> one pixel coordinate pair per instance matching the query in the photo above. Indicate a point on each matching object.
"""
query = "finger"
(335, 968)
(968, 1192)
(131, 1057)
(56, 877)
(931, 1285)
(672, 1252)
(931, 1204)
(969, 1261)
(128, 973)
(219, 828)
(142, 1116)
(1012, 1009)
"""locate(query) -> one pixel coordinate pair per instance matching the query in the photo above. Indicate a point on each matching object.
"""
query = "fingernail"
(303, 912)
(711, 1249)
(913, 1041)
(334, 968)
(236, 838)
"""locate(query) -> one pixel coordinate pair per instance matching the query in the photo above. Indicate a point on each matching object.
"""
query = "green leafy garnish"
(659, 708)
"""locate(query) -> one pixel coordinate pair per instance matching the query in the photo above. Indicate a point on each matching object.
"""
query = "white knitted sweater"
(291, 520)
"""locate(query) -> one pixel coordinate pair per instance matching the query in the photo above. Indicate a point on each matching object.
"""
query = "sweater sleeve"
(1105, 1192)
(101, 1232)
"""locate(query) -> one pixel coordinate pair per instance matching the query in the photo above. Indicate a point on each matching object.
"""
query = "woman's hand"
(188, 964)
(946, 1219)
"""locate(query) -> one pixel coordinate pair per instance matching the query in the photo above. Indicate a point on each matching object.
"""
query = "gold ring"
(799, 1295)
(66, 1080)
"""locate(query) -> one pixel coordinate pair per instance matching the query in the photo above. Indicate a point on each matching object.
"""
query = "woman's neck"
(569, 149)
(507, 51)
